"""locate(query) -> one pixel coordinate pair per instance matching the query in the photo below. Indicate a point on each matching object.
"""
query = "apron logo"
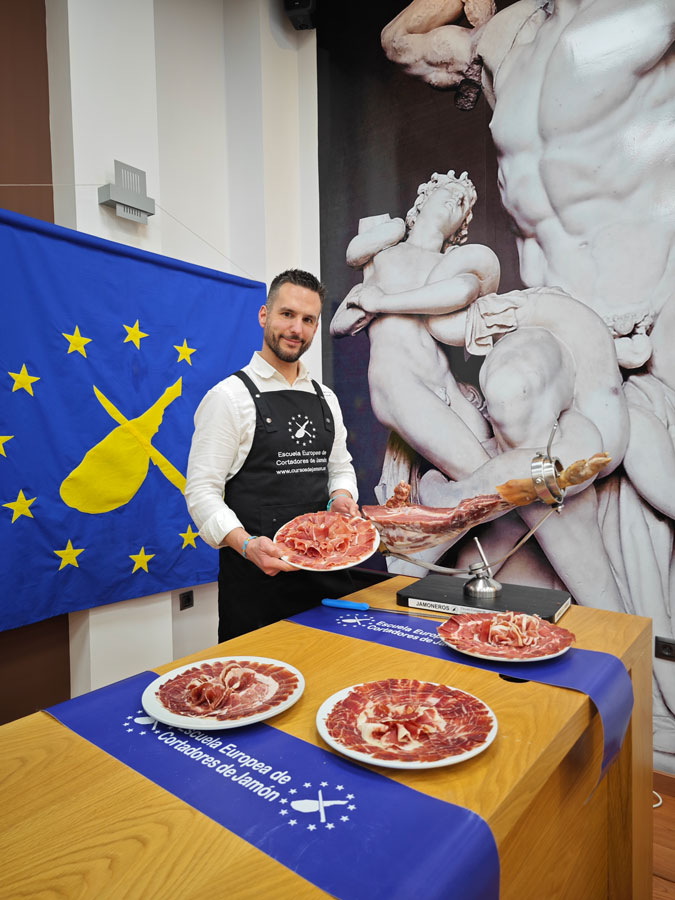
(301, 429)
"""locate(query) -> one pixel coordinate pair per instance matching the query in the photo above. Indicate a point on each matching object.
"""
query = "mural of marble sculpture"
(428, 272)
(582, 98)
(551, 359)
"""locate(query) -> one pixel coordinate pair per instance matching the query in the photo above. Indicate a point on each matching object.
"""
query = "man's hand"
(261, 551)
(266, 555)
(344, 505)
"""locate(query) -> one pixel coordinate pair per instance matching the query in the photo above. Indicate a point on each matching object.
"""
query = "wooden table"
(77, 823)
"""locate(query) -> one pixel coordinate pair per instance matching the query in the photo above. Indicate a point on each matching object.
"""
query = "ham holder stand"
(480, 591)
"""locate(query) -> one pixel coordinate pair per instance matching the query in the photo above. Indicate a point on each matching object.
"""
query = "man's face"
(291, 323)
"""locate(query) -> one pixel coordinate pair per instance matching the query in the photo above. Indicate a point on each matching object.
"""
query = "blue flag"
(105, 353)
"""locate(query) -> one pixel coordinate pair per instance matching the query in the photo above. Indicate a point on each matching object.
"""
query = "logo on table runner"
(313, 805)
(317, 805)
(358, 621)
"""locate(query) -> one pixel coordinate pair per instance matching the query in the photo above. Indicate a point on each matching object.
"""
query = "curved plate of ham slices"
(327, 541)
(505, 637)
(401, 723)
(226, 692)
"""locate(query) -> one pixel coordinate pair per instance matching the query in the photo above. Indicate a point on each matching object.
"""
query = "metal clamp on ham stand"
(544, 470)
(480, 590)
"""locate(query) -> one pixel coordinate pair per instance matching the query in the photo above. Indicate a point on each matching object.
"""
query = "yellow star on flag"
(189, 537)
(20, 507)
(141, 560)
(134, 334)
(23, 380)
(184, 352)
(69, 555)
(77, 342)
(3, 441)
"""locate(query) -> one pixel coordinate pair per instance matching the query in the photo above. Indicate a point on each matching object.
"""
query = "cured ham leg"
(521, 491)
(408, 528)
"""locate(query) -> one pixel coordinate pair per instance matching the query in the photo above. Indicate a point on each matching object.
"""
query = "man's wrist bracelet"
(251, 537)
(339, 494)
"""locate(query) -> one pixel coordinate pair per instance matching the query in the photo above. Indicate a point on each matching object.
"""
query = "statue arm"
(434, 298)
(421, 40)
(650, 460)
(459, 278)
(374, 238)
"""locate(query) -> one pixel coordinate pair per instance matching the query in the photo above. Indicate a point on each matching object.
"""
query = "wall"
(216, 102)
(25, 187)
(25, 161)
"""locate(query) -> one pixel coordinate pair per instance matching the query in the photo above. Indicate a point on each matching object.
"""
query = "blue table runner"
(601, 676)
(350, 831)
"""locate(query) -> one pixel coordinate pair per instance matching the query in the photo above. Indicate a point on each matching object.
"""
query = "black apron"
(284, 475)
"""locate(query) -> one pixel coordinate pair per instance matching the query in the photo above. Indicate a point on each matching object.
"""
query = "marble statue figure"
(583, 99)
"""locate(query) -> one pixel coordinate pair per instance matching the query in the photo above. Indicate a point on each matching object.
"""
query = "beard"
(274, 343)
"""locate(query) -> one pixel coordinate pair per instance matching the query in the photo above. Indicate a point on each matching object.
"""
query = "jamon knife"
(353, 604)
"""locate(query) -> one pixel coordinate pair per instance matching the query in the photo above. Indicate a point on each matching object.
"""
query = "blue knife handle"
(345, 604)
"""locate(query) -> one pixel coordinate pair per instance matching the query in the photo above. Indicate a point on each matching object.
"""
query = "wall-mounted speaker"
(302, 13)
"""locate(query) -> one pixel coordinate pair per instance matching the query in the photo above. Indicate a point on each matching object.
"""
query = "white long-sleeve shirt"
(224, 428)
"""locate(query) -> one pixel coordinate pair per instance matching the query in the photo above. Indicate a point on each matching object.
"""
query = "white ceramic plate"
(493, 658)
(367, 551)
(155, 708)
(327, 707)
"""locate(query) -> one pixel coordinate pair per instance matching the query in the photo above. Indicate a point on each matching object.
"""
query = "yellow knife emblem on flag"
(113, 470)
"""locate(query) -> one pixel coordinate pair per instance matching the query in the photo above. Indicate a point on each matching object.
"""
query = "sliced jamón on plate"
(505, 636)
(327, 540)
(403, 723)
(225, 692)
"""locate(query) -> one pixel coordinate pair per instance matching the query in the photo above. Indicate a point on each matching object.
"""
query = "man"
(276, 442)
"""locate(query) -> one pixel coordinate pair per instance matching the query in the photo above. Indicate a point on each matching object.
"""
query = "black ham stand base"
(445, 593)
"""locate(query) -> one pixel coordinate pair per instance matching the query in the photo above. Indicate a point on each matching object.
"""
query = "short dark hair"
(298, 277)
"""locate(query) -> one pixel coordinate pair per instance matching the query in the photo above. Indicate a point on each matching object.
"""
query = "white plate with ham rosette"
(505, 636)
(226, 692)
(327, 541)
(402, 723)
